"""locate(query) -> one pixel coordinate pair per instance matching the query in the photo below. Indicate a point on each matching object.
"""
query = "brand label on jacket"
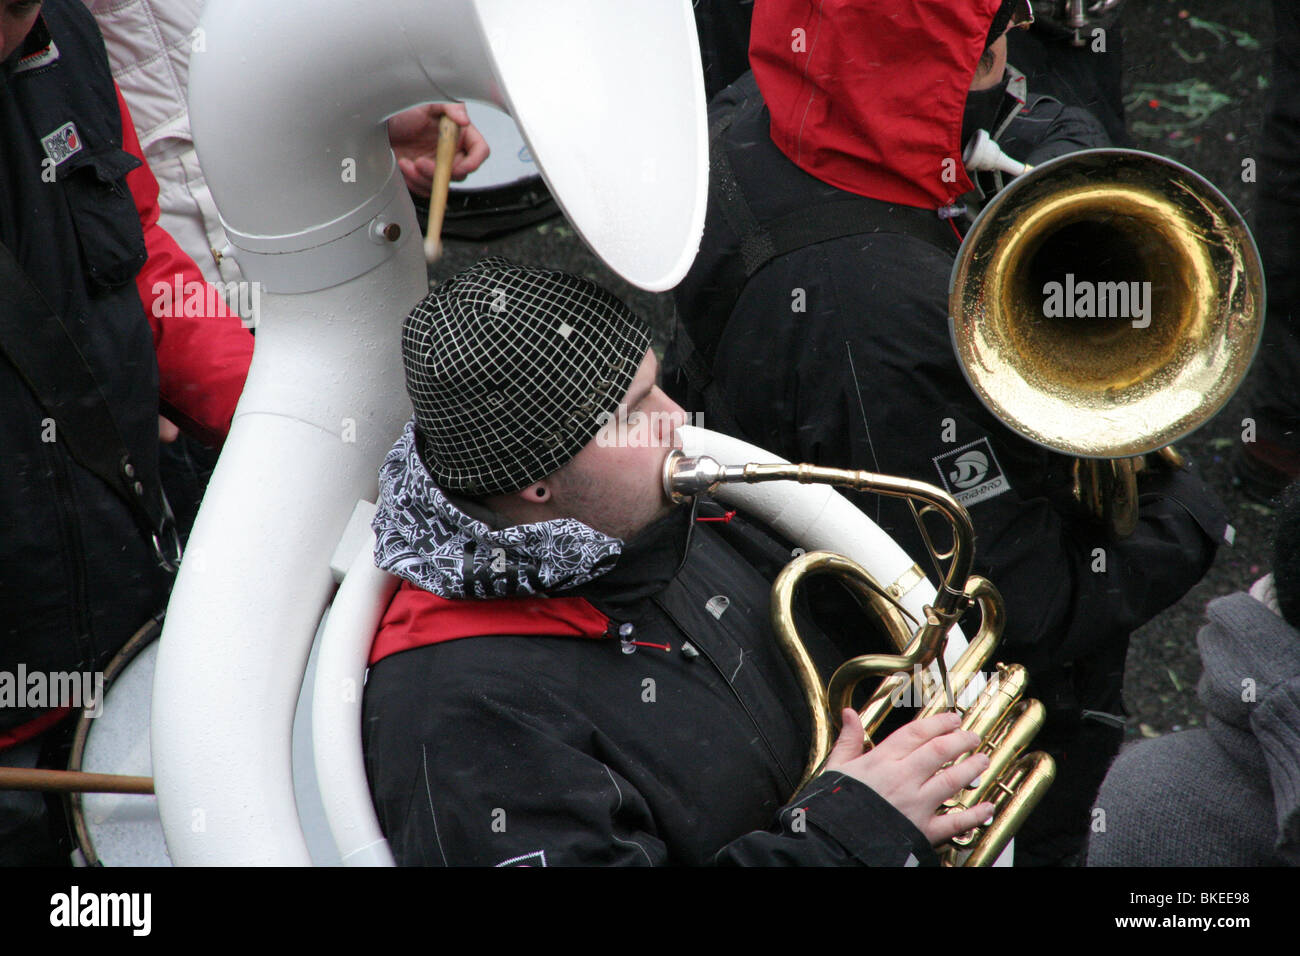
(971, 473)
(34, 61)
(62, 143)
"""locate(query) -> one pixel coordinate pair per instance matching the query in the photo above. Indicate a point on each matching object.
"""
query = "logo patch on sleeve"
(971, 473)
(62, 143)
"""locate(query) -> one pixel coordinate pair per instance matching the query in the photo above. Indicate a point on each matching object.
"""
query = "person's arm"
(877, 808)
(203, 350)
(1050, 129)
(496, 768)
(835, 820)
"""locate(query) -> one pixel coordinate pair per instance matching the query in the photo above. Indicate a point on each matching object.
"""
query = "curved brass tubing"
(1005, 724)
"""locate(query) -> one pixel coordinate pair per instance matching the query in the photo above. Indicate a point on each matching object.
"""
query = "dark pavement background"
(1195, 79)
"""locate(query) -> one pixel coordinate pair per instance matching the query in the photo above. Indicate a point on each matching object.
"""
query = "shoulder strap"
(857, 216)
(37, 344)
(761, 242)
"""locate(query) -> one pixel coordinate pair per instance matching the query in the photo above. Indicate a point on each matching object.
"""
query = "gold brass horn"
(1104, 305)
(1005, 723)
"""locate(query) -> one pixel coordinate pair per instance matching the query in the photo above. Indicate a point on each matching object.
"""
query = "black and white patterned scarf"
(424, 538)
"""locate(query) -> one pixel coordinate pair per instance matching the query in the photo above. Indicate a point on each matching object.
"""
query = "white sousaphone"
(288, 103)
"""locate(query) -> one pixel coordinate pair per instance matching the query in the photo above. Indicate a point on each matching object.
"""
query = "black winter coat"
(542, 750)
(77, 577)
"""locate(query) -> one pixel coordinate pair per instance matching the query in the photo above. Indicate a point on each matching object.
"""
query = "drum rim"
(142, 638)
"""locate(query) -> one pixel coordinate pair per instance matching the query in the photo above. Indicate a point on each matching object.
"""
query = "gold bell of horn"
(1104, 305)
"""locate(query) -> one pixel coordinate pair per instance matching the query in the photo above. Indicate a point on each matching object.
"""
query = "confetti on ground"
(1190, 101)
(1221, 33)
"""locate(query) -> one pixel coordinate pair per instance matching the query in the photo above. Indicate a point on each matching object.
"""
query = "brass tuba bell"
(1104, 305)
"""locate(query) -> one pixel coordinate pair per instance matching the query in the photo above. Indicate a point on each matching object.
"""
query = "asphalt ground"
(1195, 80)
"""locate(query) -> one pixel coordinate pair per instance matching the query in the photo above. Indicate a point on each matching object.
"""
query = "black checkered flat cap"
(511, 370)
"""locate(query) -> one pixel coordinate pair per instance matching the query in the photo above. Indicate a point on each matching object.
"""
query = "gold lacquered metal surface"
(1005, 724)
(1029, 780)
(892, 618)
(1101, 387)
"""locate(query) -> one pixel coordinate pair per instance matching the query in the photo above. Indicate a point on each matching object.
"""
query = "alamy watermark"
(128, 910)
(197, 299)
(624, 429)
(48, 690)
(1098, 300)
(908, 695)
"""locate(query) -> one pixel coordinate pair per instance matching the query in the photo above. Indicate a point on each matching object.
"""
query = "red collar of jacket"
(416, 618)
(869, 97)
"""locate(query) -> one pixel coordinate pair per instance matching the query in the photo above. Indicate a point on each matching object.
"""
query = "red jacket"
(202, 359)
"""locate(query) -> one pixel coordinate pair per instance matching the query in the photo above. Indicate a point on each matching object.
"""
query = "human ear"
(536, 493)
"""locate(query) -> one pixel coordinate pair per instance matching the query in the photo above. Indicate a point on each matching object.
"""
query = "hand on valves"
(909, 768)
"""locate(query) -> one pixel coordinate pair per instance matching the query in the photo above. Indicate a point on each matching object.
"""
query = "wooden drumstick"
(72, 781)
(448, 137)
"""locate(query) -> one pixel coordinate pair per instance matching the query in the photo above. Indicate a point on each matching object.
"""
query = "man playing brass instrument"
(817, 321)
(575, 671)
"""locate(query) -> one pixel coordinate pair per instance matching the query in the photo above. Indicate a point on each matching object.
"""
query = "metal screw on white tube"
(384, 231)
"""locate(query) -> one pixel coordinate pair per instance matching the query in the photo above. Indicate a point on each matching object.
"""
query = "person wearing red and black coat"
(79, 218)
(575, 671)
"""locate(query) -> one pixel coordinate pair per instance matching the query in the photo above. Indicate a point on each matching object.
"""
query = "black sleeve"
(834, 821)
(1274, 400)
(1047, 128)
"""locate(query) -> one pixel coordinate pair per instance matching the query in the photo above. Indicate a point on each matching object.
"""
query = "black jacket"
(839, 354)
(673, 732)
(77, 576)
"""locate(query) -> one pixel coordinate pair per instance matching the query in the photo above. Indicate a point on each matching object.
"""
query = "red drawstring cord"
(662, 647)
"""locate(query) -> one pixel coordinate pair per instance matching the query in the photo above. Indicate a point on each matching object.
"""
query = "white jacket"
(150, 43)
